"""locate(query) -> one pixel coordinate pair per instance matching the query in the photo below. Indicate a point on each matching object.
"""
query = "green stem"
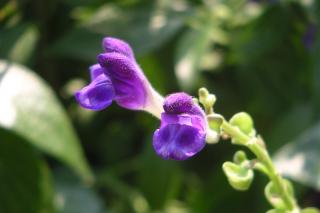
(264, 157)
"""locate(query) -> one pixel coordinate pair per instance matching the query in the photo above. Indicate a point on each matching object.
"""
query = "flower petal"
(127, 78)
(183, 128)
(95, 71)
(118, 46)
(178, 103)
(178, 142)
(183, 119)
(97, 95)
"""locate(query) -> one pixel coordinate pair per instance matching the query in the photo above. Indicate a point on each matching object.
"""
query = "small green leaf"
(25, 182)
(239, 177)
(30, 109)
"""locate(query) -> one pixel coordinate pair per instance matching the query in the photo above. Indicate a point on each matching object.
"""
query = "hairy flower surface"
(118, 77)
(99, 93)
(183, 127)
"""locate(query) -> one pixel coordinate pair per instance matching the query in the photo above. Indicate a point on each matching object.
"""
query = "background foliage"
(257, 56)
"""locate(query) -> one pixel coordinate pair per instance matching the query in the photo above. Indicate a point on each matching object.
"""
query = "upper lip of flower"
(132, 89)
(117, 45)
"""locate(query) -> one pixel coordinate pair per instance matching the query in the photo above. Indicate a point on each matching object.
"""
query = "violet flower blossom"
(183, 127)
(309, 36)
(118, 77)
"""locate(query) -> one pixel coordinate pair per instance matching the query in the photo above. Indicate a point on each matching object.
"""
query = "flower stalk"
(185, 127)
(264, 158)
(241, 132)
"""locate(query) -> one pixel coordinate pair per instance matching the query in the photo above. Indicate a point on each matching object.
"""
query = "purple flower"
(309, 36)
(99, 93)
(118, 77)
(183, 127)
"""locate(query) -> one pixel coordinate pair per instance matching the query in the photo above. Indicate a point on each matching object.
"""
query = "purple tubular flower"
(129, 83)
(118, 46)
(309, 36)
(183, 127)
(95, 71)
(118, 77)
(99, 93)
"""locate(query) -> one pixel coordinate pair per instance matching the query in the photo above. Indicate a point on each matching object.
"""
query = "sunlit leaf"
(25, 182)
(30, 109)
(300, 158)
(18, 43)
(24, 46)
(145, 28)
(191, 48)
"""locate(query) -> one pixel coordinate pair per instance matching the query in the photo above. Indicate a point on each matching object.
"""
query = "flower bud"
(207, 99)
(273, 195)
(239, 177)
(203, 93)
(244, 122)
(240, 157)
(215, 121)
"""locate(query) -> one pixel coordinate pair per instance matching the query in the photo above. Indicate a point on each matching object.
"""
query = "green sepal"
(273, 195)
(239, 177)
(215, 121)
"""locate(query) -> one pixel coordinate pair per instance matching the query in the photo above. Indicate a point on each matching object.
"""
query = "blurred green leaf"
(18, 43)
(277, 211)
(273, 195)
(130, 198)
(145, 28)
(30, 108)
(24, 46)
(191, 48)
(286, 127)
(310, 210)
(159, 180)
(300, 158)
(74, 197)
(257, 39)
(25, 182)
